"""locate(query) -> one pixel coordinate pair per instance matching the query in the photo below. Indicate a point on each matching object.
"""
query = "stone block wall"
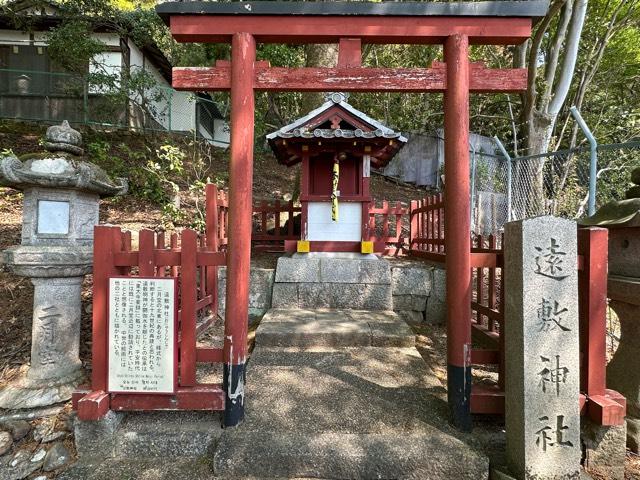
(260, 289)
(326, 282)
(420, 288)
(405, 286)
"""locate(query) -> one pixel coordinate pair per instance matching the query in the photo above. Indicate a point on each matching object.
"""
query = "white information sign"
(142, 338)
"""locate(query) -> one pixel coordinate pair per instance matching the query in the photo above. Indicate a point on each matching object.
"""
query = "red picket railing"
(603, 406)
(217, 213)
(389, 225)
(426, 218)
(273, 223)
(191, 259)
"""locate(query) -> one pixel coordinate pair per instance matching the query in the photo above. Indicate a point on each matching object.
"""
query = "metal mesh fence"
(556, 183)
(53, 97)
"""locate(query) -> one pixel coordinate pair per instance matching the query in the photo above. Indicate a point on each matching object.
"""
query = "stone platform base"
(138, 435)
(360, 282)
(27, 393)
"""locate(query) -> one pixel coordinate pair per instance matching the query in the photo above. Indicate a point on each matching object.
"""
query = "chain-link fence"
(53, 97)
(555, 183)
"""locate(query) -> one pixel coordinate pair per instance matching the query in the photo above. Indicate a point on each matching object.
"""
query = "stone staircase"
(343, 394)
(335, 389)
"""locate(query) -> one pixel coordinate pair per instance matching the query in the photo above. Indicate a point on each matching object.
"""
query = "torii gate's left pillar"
(243, 56)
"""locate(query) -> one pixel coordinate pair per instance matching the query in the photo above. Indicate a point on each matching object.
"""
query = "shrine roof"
(296, 129)
(529, 9)
(313, 126)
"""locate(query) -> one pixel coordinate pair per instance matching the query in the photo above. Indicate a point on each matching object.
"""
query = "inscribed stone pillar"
(56, 328)
(542, 351)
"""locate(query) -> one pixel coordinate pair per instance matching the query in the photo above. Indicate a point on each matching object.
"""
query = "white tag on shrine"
(142, 335)
(366, 166)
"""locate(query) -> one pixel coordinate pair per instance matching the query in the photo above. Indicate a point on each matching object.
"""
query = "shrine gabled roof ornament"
(338, 121)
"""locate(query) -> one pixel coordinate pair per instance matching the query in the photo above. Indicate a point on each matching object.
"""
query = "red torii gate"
(455, 25)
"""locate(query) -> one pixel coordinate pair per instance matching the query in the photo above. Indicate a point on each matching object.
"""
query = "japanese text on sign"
(141, 335)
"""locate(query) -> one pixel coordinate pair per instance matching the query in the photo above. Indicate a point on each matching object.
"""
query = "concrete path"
(343, 394)
(332, 394)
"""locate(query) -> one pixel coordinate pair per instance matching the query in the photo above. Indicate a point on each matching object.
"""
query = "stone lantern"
(61, 200)
(622, 218)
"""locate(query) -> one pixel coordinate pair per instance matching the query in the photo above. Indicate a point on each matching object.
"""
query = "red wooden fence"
(389, 225)
(275, 221)
(427, 228)
(603, 406)
(193, 261)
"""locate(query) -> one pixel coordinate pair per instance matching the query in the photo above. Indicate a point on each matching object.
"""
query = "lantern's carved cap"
(61, 166)
(63, 138)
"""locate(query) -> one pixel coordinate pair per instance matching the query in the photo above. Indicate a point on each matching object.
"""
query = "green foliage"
(72, 47)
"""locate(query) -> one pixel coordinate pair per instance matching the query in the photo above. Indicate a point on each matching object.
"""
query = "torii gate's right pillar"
(457, 226)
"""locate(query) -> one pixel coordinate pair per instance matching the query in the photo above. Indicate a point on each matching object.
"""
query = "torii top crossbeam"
(456, 25)
(488, 23)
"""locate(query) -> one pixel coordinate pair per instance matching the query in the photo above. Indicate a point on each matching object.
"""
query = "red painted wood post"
(146, 244)
(480, 283)
(413, 224)
(350, 52)
(399, 214)
(385, 219)
(502, 339)
(243, 55)
(160, 245)
(441, 220)
(188, 298)
(125, 245)
(290, 223)
(457, 229)
(174, 247)
(592, 287)
(202, 270)
(277, 219)
(104, 247)
(492, 285)
(211, 232)
(365, 215)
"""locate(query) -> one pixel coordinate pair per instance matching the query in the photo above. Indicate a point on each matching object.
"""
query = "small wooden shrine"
(337, 145)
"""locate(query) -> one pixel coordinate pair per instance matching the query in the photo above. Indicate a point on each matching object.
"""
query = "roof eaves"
(500, 8)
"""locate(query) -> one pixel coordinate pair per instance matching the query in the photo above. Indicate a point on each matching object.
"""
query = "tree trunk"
(320, 55)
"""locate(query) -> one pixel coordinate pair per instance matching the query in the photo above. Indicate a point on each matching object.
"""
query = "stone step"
(268, 454)
(140, 468)
(333, 328)
(167, 434)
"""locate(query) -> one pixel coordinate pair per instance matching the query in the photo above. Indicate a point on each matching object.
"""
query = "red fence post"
(413, 224)
(592, 287)
(243, 55)
(104, 247)
(211, 233)
(188, 299)
(457, 229)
